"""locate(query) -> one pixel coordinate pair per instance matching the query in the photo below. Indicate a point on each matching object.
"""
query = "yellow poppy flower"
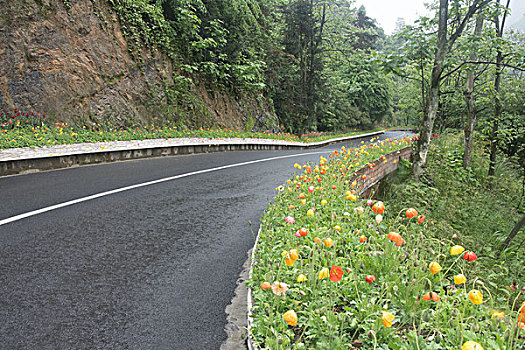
(387, 319)
(456, 250)
(290, 317)
(324, 201)
(475, 297)
(497, 314)
(460, 279)
(310, 212)
(434, 267)
(471, 345)
(301, 278)
(352, 197)
(324, 273)
(328, 242)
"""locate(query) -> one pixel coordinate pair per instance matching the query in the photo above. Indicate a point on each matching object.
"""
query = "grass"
(33, 130)
(462, 204)
(394, 293)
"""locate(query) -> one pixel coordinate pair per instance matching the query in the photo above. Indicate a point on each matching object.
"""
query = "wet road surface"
(149, 268)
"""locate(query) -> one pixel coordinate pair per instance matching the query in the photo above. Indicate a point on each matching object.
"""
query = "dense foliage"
(302, 55)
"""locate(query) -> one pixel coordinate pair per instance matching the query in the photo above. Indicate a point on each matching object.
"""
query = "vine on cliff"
(144, 24)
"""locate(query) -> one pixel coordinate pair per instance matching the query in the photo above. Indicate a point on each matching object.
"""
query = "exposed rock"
(75, 65)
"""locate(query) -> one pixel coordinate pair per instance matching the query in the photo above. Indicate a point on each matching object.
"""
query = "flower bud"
(439, 338)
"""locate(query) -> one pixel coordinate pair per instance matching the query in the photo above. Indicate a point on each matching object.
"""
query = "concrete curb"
(249, 339)
(16, 161)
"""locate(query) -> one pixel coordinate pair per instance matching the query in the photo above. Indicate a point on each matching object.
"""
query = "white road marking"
(127, 188)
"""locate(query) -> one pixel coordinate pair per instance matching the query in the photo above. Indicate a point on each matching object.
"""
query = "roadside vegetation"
(24, 129)
(417, 270)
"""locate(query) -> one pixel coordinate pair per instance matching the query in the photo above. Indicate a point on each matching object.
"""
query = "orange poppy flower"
(396, 237)
(303, 232)
(387, 319)
(378, 207)
(266, 285)
(411, 213)
(431, 296)
(434, 267)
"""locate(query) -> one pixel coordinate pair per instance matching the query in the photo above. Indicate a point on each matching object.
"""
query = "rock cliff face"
(75, 65)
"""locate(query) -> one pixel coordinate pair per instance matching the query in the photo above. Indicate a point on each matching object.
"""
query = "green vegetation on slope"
(460, 202)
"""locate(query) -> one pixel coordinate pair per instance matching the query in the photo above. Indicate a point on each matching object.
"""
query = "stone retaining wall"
(379, 169)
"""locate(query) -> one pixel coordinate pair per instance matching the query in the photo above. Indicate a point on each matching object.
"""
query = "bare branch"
(482, 62)
(476, 5)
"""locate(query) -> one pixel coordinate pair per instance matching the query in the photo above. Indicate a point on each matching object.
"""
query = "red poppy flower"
(420, 219)
(370, 278)
(470, 256)
(336, 273)
(303, 232)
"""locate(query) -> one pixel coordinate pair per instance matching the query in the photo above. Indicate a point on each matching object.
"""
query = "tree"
(497, 98)
(358, 93)
(297, 96)
(470, 102)
(459, 20)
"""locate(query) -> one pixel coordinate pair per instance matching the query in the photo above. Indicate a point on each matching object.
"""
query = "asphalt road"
(149, 268)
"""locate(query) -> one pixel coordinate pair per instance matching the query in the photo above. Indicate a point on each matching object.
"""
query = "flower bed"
(24, 129)
(333, 271)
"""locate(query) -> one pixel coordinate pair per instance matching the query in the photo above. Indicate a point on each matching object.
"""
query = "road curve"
(149, 268)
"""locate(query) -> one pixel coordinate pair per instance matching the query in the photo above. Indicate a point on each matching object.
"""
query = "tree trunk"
(423, 144)
(497, 117)
(511, 236)
(497, 98)
(471, 103)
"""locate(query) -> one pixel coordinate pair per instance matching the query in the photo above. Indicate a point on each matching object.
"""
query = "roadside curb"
(249, 340)
(40, 159)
